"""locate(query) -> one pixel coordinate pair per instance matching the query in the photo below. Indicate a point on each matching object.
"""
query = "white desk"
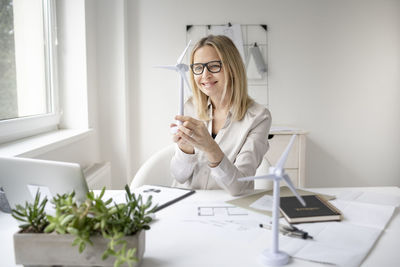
(172, 242)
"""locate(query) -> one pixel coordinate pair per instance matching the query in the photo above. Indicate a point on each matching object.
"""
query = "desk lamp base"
(274, 258)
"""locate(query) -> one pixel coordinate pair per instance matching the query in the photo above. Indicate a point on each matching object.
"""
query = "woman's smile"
(209, 84)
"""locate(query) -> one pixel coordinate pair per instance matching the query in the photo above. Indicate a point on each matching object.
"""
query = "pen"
(291, 231)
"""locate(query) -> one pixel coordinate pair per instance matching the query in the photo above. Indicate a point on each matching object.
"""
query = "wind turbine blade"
(284, 155)
(251, 178)
(293, 189)
(169, 67)
(183, 54)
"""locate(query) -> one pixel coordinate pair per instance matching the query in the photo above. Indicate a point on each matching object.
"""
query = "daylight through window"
(26, 59)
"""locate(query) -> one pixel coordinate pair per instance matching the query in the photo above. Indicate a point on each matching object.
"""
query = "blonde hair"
(235, 76)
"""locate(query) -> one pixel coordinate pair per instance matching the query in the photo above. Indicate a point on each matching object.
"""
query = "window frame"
(22, 127)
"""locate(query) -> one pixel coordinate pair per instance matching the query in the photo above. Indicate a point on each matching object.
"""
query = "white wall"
(333, 70)
(77, 82)
(93, 63)
(112, 88)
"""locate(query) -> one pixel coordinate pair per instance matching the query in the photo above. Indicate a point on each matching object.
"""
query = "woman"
(224, 132)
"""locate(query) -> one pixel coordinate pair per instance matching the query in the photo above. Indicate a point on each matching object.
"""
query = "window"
(28, 103)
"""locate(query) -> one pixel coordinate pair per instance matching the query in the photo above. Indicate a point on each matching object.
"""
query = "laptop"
(20, 179)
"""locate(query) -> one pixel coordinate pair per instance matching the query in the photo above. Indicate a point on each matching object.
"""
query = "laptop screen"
(20, 179)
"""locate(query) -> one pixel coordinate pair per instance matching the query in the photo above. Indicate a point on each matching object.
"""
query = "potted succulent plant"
(99, 228)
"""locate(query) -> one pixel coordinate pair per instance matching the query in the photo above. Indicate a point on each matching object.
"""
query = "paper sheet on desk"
(263, 203)
(219, 215)
(344, 243)
(370, 197)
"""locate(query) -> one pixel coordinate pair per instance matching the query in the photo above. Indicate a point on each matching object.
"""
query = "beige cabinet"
(295, 164)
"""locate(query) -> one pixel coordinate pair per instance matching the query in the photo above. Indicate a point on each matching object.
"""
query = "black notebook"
(317, 209)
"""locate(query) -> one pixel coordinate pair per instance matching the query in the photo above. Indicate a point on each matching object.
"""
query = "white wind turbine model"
(273, 256)
(181, 68)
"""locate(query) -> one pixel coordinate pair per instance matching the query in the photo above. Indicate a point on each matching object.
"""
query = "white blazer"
(244, 144)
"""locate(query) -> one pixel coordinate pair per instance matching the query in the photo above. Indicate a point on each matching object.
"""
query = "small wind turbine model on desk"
(181, 68)
(273, 256)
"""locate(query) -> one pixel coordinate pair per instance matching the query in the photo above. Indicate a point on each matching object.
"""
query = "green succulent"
(33, 215)
(95, 216)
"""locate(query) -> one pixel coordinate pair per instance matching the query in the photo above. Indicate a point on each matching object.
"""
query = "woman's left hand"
(195, 132)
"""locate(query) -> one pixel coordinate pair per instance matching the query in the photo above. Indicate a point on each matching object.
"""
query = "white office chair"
(156, 171)
(263, 169)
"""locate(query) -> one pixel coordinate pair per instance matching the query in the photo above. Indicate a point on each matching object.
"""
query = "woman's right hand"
(183, 145)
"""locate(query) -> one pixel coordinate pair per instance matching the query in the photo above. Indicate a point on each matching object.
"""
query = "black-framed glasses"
(214, 66)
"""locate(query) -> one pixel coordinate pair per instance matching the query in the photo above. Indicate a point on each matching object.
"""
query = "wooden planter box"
(55, 249)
